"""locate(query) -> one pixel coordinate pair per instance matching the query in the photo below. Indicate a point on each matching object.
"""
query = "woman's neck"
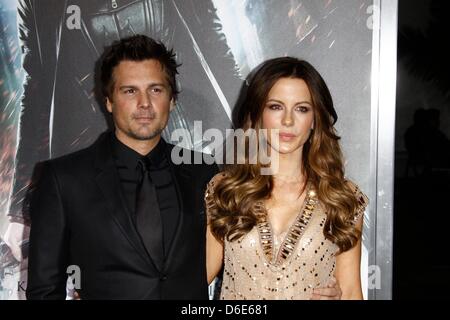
(290, 167)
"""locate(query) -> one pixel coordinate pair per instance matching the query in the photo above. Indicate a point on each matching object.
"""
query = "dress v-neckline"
(276, 257)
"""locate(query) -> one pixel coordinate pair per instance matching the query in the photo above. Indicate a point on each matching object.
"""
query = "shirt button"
(163, 277)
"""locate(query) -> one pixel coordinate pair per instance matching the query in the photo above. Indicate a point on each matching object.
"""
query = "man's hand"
(331, 292)
(14, 236)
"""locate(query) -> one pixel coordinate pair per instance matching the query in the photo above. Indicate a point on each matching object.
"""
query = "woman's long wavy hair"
(234, 196)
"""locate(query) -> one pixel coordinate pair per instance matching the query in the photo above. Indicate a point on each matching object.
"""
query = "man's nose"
(144, 100)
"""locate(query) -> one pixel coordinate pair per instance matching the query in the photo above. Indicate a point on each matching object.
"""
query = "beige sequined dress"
(288, 266)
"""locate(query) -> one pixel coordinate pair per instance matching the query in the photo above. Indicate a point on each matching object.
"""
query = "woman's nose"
(287, 120)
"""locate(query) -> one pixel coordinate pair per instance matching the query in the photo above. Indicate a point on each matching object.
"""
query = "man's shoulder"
(199, 162)
(181, 155)
(77, 161)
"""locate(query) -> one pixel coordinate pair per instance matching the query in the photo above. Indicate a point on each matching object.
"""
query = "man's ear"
(172, 104)
(108, 105)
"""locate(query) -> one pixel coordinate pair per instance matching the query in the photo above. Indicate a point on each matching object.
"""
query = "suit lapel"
(185, 187)
(108, 182)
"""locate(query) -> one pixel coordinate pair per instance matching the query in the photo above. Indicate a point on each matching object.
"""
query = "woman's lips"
(286, 136)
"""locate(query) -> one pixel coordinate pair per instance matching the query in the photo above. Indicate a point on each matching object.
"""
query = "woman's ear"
(172, 104)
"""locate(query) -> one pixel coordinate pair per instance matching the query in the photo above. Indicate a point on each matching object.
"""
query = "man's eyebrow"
(127, 86)
(154, 84)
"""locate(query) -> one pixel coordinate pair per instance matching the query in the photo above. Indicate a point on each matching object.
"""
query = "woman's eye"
(275, 107)
(156, 90)
(130, 91)
(303, 109)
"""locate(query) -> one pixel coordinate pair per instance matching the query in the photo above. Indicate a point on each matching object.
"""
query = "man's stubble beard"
(142, 137)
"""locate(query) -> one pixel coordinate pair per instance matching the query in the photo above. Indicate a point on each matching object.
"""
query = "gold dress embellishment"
(294, 233)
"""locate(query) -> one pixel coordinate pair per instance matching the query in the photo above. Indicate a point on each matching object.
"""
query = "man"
(95, 209)
(59, 59)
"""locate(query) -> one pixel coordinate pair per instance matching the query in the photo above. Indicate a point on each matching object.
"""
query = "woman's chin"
(284, 150)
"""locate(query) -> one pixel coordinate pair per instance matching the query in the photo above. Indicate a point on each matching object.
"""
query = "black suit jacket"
(79, 217)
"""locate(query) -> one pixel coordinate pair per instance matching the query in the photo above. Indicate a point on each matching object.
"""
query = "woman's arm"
(214, 255)
(348, 272)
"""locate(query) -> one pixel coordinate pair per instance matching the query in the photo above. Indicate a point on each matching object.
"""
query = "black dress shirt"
(126, 160)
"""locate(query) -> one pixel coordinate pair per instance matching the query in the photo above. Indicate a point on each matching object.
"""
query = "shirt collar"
(130, 158)
(158, 153)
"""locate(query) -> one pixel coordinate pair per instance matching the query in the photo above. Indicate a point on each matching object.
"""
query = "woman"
(281, 236)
